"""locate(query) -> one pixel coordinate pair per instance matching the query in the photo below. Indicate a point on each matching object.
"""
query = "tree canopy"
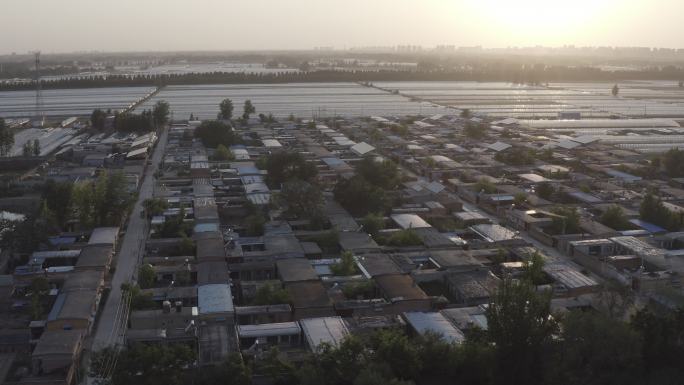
(283, 166)
(213, 133)
(226, 109)
(6, 138)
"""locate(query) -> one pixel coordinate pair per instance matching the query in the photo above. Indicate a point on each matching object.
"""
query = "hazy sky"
(163, 25)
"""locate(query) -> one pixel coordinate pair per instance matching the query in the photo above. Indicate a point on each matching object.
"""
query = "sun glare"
(541, 21)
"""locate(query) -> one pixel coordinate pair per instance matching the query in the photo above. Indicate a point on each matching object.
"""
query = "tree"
(484, 186)
(465, 113)
(35, 149)
(565, 221)
(270, 294)
(395, 349)
(144, 364)
(212, 133)
(520, 327)
(673, 161)
(373, 223)
(402, 238)
(304, 66)
(131, 122)
(97, 119)
(475, 130)
(346, 265)
(654, 211)
(301, 200)
(360, 197)
(248, 109)
(595, 349)
(27, 149)
(6, 138)
(154, 206)
(146, 276)
(284, 166)
(223, 153)
(681, 84)
(663, 343)
(545, 190)
(615, 218)
(160, 113)
(254, 225)
(533, 269)
(226, 109)
(615, 90)
(383, 174)
(58, 197)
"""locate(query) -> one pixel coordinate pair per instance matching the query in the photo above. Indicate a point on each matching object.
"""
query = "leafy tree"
(284, 166)
(373, 223)
(154, 206)
(383, 174)
(615, 90)
(615, 218)
(360, 197)
(485, 186)
(97, 119)
(516, 156)
(301, 200)
(35, 148)
(226, 108)
(254, 225)
(465, 113)
(212, 133)
(146, 276)
(534, 270)
(223, 153)
(475, 130)
(160, 113)
(364, 289)
(270, 294)
(566, 221)
(144, 364)
(662, 339)
(520, 327)
(402, 238)
(248, 109)
(103, 202)
(186, 246)
(545, 190)
(131, 122)
(595, 349)
(399, 352)
(652, 210)
(27, 149)
(139, 301)
(673, 161)
(346, 265)
(58, 197)
(6, 138)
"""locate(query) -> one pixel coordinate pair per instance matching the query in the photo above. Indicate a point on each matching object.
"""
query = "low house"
(58, 353)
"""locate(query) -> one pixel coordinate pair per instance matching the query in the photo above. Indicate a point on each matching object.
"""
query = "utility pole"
(39, 91)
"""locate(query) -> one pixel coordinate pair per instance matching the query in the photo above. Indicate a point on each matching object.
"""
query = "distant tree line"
(534, 74)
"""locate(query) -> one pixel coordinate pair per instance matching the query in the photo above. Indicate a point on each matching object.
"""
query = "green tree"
(565, 221)
(485, 186)
(360, 197)
(144, 364)
(654, 211)
(160, 113)
(534, 269)
(615, 218)
(248, 109)
(284, 166)
(58, 197)
(254, 225)
(222, 153)
(520, 327)
(97, 119)
(465, 113)
(212, 133)
(395, 349)
(402, 238)
(346, 265)
(475, 130)
(595, 349)
(6, 138)
(545, 190)
(35, 148)
(146, 276)
(673, 161)
(615, 90)
(154, 206)
(373, 223)
(226, 109)
(383, 174)
(270, 294)
(301, 199)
